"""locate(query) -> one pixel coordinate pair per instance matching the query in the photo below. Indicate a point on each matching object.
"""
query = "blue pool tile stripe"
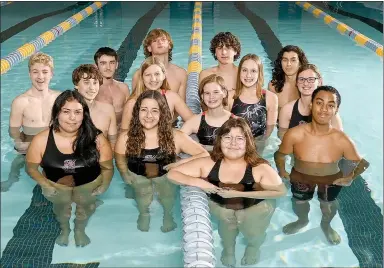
(269, 40)
(21, 26)
(34, 237)
(31, 47)
(363, 223)
(343, 29)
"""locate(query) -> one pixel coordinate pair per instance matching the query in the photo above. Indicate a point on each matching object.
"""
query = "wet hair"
(308, 66)
(278, 75)
(225, 39)
(136, 136)
(260, 77)
(213, 78)
(90, 70)
(84, 145)
(105, 51)
(251, 156)
(40, 57)
(140, 87)
(327, 89)
(152, 36)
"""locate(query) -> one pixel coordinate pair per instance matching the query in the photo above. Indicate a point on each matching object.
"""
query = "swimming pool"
(356, 72)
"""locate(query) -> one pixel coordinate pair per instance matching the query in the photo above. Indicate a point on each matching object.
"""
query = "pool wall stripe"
(128, 49)
(45, 38)
(198, 241)
(343, 28)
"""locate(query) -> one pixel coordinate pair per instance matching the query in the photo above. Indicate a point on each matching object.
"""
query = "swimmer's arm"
(105, 159)
(350, 153)
(188, 146)
(336, 122)
(33, 159)
(286, 148)
(127, 115)
(112, 130)
(270, 181)
(272, 106)
(183, 85)
(16, 119)
(192, 125)
(202, 75)
(121, 159)
(284, 119)
(230, 100)
(191, 173)
(181, 108)
(271, 87)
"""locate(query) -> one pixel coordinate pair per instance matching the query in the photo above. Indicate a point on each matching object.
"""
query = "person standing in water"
(147, 151)
(317, 148)
(242, 187)
(153, 77)
(284, 73)
(252, 102)
(111, 91)
(213, 98)
(77, 164)
(87, 80)
(30, 111)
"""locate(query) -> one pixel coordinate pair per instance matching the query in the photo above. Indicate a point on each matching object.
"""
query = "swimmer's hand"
(170, 166)
(22, 147)
(100, 189)
(284, 174)
(346, 181)
(228, 193)
(49, 191)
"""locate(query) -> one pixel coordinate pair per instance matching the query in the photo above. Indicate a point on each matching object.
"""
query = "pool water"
(355, 71)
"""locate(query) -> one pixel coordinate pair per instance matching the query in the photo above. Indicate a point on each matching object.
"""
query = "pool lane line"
(195, 60)
(4, 3)
(363, 223)
(34, 237)
(370, 22)
(21, 26)
(47, 37)
(269, 40)
(128, 49)
(343, 29)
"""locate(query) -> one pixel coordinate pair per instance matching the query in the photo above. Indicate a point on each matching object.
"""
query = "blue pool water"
(355, 71)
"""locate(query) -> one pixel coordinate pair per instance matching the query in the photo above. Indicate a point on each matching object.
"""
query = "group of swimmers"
(74, 136)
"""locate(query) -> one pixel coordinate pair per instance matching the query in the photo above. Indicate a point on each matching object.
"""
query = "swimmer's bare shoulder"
(105, 107)
(271, 87)
(297, 133)
(39, 143)
(206, 72)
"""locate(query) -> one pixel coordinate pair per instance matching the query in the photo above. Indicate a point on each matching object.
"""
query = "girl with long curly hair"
(213, 97)
(153, 77)
(284, 74)
(242, 188)
(145, 153)
(252, 102)
(77, 164)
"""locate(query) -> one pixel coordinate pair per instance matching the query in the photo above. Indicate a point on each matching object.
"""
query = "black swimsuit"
(255, 113)
(247, 184)
(297, 118)
(57, 165)
(206, 133)
(150, 163)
